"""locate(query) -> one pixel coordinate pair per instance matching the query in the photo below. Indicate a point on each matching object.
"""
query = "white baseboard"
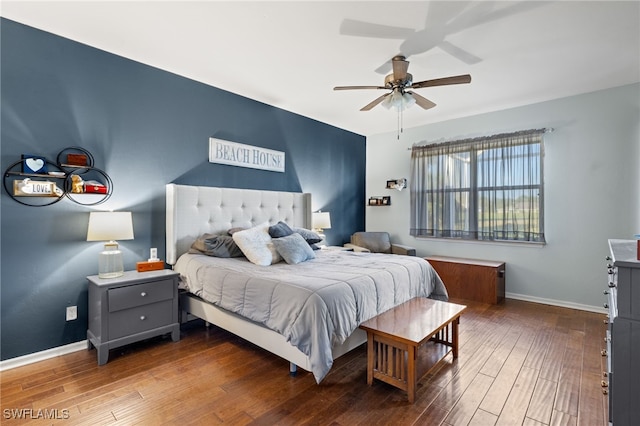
(8, 364)
(553, 302)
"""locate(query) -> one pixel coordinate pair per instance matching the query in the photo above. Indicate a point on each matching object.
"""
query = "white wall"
(592, 191)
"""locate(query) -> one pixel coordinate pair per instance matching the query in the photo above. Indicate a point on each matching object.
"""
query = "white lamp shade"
(398, 100)
(321, 220)
(110, 226)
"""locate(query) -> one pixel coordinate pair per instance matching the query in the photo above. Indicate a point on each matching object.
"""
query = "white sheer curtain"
(483, 189)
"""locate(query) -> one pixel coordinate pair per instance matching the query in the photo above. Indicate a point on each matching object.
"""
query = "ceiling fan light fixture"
(398, 100)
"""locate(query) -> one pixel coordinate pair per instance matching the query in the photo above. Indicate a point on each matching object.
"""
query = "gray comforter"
(315, 304)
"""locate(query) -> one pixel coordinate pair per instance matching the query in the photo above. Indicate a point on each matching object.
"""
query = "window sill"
(485, 242)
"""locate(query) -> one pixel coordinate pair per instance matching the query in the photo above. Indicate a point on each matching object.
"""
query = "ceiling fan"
(399, 82)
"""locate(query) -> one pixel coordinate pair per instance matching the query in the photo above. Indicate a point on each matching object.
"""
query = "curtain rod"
(483, 138)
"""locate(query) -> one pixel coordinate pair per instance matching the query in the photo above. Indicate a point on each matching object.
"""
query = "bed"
(308, 312)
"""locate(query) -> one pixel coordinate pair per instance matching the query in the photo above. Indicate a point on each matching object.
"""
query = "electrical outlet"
(153, 254)
(72, 313)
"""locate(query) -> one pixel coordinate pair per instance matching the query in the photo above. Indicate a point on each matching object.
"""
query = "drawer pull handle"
(143, 294)
(142, 318)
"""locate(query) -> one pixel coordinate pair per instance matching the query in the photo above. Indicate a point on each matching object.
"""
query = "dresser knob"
(604, 384)
(612, 285)
(143, 294)
(606, 305)
(605, 321)
(142, 318)
(605, 391)
(606, 292)
(605, 374)
(603, 352)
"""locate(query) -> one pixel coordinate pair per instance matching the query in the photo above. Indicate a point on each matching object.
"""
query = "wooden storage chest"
(471, 279)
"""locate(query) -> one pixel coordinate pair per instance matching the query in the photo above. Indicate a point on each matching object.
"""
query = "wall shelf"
(81, 183)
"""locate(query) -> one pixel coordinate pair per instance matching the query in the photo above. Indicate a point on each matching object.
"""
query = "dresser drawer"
(142, 318)
(140, 294)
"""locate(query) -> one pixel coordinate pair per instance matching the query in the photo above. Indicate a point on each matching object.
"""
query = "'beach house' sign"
(241, 155)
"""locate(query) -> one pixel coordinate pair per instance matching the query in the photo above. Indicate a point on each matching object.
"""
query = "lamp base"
(110, 261)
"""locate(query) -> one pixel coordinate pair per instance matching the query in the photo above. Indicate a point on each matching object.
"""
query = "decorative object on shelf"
(35, 188)
(23, 179)
(398, 184)
(34, 164)
(110, 226)
(380, 201)
(77, 184)
(320, 221)
(75, 157)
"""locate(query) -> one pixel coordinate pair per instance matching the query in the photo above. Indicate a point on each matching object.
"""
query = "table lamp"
(320, 221)
(108, 227)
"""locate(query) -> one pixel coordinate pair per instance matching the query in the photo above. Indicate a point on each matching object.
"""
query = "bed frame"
(196, 210)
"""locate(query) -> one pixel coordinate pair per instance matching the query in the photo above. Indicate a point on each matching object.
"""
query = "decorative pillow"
(280, 230)
(309, 236)
(232, 231)
(293, 248)
(256, 245)
(217, 246)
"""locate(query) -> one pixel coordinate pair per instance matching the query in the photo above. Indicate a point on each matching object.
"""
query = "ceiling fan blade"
(375, 102)
(400, 67)
(357, 87)
(353, 27)
(457, 52)
(421, 101)
(458, 79)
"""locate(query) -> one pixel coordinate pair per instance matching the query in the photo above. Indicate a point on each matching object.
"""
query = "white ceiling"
(291, 54)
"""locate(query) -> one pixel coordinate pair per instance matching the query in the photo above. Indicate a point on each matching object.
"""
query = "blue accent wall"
(145, 128)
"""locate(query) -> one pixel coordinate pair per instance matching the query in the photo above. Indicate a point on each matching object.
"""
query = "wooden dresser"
(471, 279)
(622, 377)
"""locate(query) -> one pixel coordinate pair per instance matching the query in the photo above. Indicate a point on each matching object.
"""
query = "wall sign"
(237, 154)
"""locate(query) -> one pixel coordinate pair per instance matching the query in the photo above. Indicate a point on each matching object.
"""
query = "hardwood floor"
(519, 363)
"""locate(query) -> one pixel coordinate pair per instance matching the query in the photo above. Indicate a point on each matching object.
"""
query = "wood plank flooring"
(520, 363)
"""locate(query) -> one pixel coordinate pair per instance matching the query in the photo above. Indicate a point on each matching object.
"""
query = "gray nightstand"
(130, 308)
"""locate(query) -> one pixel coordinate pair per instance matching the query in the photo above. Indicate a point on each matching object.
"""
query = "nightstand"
(130, 308)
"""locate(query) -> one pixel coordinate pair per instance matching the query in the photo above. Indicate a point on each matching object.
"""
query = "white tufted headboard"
(196, 210)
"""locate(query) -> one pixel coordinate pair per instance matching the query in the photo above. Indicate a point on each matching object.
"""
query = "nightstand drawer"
(140, 294)
(131, 321)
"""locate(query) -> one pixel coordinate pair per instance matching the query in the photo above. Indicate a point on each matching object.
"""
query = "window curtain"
(482, 189)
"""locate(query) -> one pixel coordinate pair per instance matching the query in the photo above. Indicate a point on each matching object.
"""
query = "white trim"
(554, 302)
(20, 361)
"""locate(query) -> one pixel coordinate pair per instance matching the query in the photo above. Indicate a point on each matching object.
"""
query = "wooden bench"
(407, 341)
(471, 279)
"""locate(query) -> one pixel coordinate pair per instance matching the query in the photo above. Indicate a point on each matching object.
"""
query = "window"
(479, 189)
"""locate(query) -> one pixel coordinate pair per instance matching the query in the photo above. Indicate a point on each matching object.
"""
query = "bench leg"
(454, 337)
(370, 358)
(411, 373)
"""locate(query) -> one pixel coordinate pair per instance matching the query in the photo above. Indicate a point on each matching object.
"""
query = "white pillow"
(256, 245)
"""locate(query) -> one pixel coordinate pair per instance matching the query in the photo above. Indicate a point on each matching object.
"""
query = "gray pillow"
(280, 230)
(293, 248)
(309, 236)
(217, 246)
